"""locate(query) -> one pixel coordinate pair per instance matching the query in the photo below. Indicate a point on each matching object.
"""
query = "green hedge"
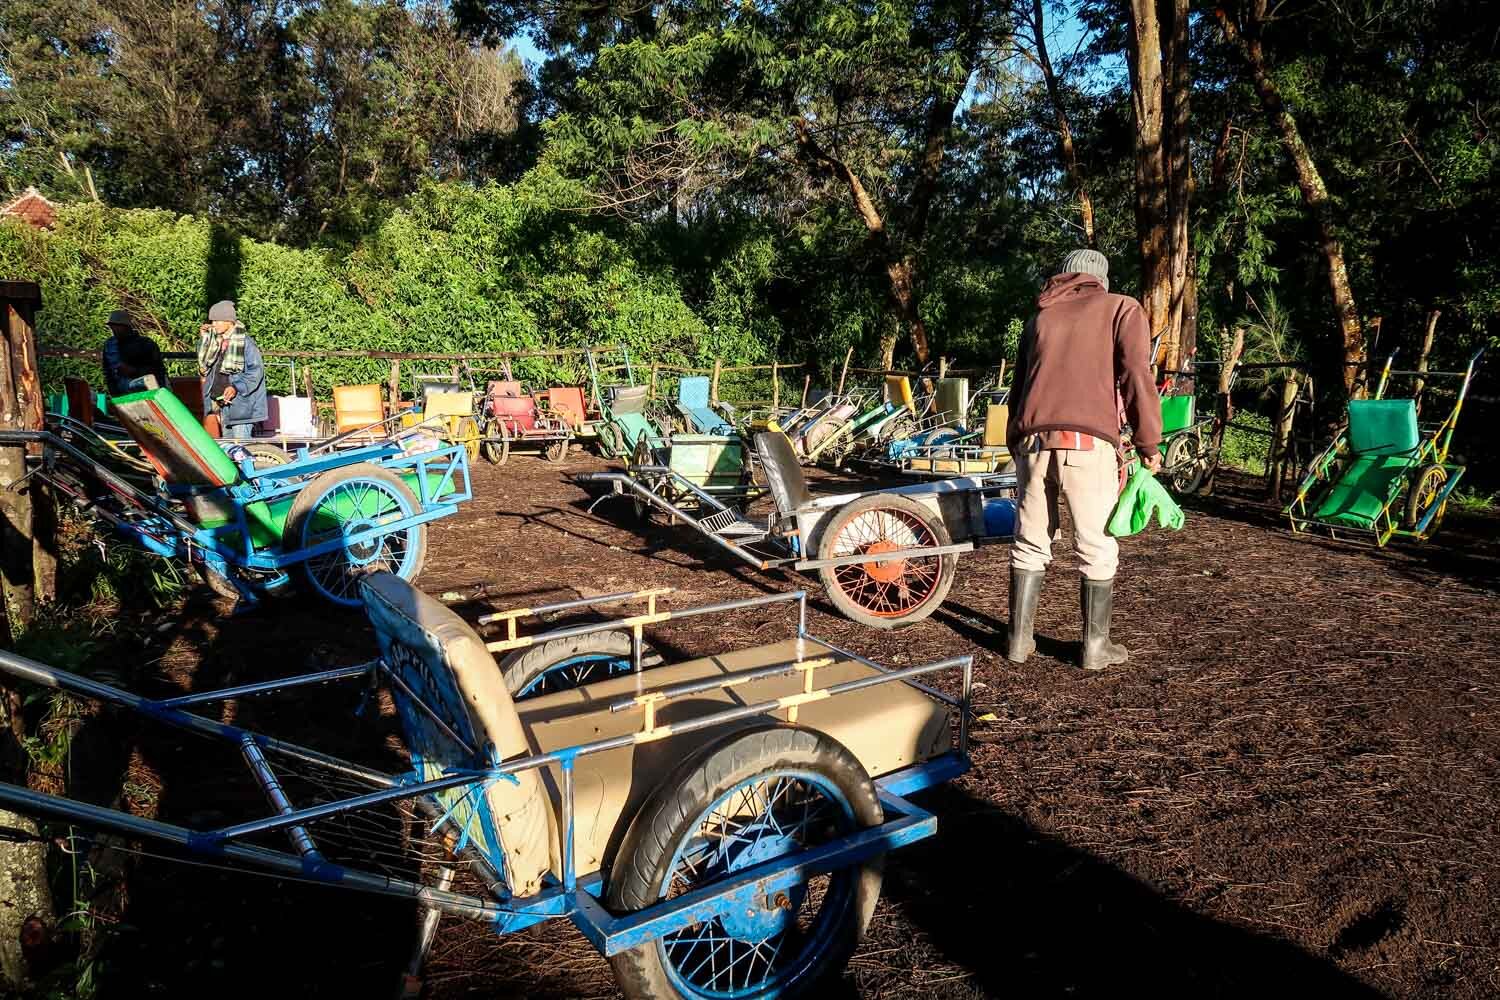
(455, 270)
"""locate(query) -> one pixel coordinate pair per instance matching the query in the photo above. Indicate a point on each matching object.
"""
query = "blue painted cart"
(246, 529)
(715, 827)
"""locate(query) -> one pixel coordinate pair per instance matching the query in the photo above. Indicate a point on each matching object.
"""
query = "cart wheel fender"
(339, 585)
(832, 525)
(561, 664)
(697, 789)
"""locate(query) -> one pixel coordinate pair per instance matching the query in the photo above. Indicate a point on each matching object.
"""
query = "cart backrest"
(517, 411)
(446, 668)
(952, 399)
(996, 416)
(568, 403)
(356, 406)
(504, 388)
(783, 472)
(628, 398)
(1383, 426)
(183, 453)
(448, 401)
(693, 391)
(1176, 413)
(898, 391)
(189, 392)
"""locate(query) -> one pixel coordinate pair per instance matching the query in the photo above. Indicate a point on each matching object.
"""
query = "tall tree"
(1032, 21)
(1244, 31)
(1160, 86)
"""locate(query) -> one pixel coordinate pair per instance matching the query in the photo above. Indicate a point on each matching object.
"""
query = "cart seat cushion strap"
(1176, 413)
(783, 472)
(440, 658)
(183, 453)
(1383, 426)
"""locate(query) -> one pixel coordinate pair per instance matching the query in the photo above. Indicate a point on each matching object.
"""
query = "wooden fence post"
(848, 357)
(1427, 338)
(1281, 443)
(942, 367)
(713, 386)
(1224, 405)
(775, 390)
(652, 393)
(21, 409)
(806, 388)
(395, 384)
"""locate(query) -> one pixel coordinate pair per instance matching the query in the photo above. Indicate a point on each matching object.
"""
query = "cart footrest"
(731, 523)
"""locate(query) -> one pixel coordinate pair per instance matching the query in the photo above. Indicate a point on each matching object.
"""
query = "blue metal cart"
(715, 827)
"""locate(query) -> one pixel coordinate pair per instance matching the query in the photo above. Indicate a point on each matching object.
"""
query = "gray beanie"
(119, 318)
(1087, 262)
(222, 312)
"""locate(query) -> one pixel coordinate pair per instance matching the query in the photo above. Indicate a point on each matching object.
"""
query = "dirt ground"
(1294, 784)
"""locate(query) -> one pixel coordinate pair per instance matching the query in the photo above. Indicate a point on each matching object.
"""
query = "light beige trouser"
(1090, 480)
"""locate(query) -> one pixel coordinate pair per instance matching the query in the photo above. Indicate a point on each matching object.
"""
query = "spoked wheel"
(1184, 464)
(895, 592)
(496, 442)
(267, 456)
(562, 664)
(557, 451)
(749, 798)
(340, 504)
(1425, 489)
(466, 433)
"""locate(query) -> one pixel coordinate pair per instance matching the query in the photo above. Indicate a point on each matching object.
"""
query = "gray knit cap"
(119, 318)
(1087, 262)
(222, 312)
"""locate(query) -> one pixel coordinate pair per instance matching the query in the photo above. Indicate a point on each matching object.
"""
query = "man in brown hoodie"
(1083, 353)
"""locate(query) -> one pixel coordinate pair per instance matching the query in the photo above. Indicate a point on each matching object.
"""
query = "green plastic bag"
(1142, 497)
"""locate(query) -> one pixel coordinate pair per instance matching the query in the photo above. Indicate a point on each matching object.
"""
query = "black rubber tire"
(847, 606)
(306, 503)
(496, 452)
(267, 456)
(673, 809)
(1184, 456)
(521, 666)
(1429, 480)
(556, 452)
(218, 584)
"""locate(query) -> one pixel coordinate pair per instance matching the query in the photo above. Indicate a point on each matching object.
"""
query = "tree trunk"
(1225, 404)
(1422, 359)
(1147, 88)
(1182, 320)
(1309, 181)
(1064, 125)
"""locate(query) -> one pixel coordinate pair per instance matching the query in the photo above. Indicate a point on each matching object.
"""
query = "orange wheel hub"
(884, 572)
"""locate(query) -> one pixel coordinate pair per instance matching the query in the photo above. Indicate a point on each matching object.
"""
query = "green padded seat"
(1357, 498)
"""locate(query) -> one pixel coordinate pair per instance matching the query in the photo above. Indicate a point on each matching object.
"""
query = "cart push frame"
(1385, 474)
(248, 528)
(886, 558)
(717, 830)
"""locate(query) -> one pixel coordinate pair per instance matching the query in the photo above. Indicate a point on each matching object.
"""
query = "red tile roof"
(32, 208)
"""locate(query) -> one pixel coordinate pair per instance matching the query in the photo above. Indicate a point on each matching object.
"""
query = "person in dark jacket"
(1084, 353)
(234, 376)
(130, 358)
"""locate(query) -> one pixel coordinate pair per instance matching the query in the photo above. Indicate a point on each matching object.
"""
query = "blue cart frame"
(579, 899)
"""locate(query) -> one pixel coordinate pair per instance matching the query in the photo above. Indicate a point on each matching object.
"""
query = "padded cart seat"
(887, 727)
(693, 398)
(1383, 440)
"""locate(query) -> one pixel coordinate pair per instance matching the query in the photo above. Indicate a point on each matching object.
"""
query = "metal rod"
(712, 683)
(860, 558)
(267, 687)
(674, 510)
(588, 628)
(45, 806)
(570, 877)
(947, 699)
(966, 708)
(426, 931)
(428, 711)
(581, 602)
(271, 785)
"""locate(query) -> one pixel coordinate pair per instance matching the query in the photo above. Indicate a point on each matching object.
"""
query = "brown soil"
(1294, 784)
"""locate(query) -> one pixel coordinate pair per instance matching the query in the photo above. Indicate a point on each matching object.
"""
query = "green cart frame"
(1385, 475)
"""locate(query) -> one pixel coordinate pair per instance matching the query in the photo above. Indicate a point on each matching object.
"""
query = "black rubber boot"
(1097, 598)
(1025, 588)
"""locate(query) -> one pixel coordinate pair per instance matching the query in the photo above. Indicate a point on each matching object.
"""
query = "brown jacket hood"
(1083, 347)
